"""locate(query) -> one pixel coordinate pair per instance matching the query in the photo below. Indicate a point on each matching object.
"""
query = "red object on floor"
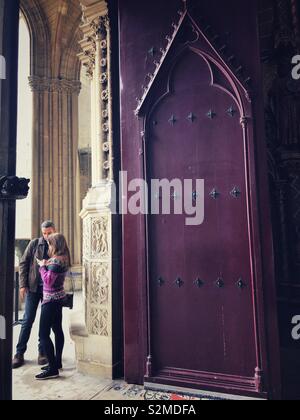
(175, 397)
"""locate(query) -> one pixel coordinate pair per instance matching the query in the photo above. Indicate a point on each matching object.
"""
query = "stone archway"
(39, 36)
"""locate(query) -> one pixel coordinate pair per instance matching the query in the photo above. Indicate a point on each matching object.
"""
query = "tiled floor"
(121, 391)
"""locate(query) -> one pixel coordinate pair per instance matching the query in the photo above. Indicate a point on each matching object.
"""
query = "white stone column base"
(92, 330)
(93, 354)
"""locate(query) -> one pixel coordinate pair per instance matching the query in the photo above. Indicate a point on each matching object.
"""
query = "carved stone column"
(55, 142)
(95, 338)
(96, 58)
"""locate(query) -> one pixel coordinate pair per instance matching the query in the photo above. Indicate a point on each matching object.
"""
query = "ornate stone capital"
(100, 26)
(96, 58)
(44, 84)
(95, 26)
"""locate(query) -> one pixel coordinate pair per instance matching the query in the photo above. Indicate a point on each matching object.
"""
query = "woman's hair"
(59, 247)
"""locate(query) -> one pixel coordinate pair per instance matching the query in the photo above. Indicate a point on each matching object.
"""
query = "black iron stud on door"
(211, 114)
(231, 111)
(214, 194)
(220, 283)
(172, 120)
(160, 281)
(195, 195)
(191, 117)
(235, 193)
(241, 284)
(179, 282)
(199, 283)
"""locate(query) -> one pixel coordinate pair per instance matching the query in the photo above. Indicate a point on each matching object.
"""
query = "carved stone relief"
(98, 324)
(100, 279)
(99, 242)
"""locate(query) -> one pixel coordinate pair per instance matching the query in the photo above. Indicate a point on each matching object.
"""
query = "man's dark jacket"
(29, 269)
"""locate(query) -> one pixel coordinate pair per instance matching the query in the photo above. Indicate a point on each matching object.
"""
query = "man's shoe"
(18, 361)
(42, 360)
(47, 374)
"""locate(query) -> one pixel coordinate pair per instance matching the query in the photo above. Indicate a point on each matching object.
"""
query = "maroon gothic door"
(204, 280)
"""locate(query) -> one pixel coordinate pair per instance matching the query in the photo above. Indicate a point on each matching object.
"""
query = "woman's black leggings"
(51, 318)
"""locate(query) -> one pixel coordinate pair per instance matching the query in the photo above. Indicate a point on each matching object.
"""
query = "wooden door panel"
(207, 329)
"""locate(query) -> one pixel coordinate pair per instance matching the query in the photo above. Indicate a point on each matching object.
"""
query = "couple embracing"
(43, 270)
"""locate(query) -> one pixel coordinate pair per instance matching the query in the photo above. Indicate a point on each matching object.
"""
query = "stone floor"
(72, 385)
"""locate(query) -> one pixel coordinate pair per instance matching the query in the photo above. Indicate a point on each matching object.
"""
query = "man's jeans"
(31, 305)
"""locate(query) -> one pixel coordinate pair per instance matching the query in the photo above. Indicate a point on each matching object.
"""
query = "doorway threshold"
(198, 393)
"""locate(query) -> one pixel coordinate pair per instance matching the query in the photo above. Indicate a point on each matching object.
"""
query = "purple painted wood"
(209, 337)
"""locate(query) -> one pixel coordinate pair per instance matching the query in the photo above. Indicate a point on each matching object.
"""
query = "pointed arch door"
(202, 280)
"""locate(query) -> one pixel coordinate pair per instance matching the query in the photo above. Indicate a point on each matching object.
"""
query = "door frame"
(135, 253)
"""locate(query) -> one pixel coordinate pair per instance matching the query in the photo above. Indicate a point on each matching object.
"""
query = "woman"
(53, 273)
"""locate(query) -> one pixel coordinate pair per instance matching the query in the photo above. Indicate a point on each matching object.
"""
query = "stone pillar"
(96, 58)
(55, 160)
(9, 23)
(96, 336)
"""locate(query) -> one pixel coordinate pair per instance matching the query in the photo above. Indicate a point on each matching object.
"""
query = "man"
(31, 289)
